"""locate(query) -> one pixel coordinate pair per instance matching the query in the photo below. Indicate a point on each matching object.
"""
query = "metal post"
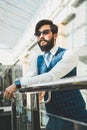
(13, 114)
(35, 112)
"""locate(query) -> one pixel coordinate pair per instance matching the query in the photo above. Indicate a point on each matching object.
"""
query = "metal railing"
(62, 84)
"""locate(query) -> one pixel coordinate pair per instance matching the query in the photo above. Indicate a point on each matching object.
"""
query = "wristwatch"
(18, 84)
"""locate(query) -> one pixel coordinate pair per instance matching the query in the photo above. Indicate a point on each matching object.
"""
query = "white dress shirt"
(64, 66)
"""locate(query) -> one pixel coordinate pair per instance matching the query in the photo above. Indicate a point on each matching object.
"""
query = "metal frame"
(62, 84)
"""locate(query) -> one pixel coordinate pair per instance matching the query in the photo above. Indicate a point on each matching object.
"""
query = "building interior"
(17, 42)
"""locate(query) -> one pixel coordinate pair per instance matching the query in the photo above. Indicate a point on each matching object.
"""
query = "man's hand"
(41, 96)
(9, 91)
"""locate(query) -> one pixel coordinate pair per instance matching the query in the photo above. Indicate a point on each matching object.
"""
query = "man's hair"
(53, 27)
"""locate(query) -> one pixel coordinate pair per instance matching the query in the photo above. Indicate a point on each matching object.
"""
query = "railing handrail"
(71, 83)
(62, 84)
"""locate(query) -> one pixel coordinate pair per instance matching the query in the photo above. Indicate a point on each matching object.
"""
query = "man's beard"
(48, 46)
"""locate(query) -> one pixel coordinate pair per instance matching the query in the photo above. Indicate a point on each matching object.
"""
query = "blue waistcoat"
(69, 103)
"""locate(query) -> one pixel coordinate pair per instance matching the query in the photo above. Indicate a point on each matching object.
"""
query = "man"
(62, 63)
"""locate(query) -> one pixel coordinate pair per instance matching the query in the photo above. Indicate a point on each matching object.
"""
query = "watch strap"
(18, 84)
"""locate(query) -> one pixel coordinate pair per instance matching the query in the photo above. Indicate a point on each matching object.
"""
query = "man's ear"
(55, 36)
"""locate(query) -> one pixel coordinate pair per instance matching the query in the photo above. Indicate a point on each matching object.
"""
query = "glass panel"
(48, 122)
(24, 120)
(23, 114)
(53, 122)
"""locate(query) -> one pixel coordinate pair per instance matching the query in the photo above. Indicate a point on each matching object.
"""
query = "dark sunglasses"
(44, 32)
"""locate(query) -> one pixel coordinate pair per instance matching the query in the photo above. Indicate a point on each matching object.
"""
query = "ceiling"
(15, 16)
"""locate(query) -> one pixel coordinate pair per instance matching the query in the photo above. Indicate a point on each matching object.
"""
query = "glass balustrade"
(35, 117)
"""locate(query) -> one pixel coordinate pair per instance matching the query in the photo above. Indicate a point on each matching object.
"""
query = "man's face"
(45, 38)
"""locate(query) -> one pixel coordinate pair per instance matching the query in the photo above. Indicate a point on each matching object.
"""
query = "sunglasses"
(44, 32)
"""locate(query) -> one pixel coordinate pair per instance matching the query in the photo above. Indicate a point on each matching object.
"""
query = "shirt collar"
(54, 49)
